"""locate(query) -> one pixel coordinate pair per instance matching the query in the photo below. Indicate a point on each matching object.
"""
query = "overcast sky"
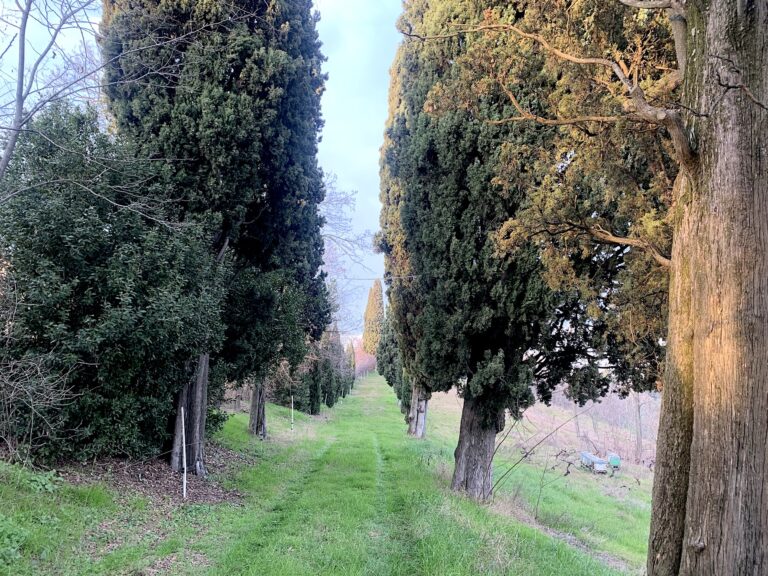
(359, 39)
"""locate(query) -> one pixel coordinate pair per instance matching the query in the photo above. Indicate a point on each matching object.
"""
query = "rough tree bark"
(417, 416)
(673, 449)
(258, 421)
(473, 472)
(719, 342)
(194, 398)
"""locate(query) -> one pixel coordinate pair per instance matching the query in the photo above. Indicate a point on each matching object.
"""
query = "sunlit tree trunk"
(722, 527)
(673, 449)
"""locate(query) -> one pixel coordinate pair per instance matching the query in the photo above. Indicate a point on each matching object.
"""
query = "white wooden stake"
(291, 412)
(184, 451)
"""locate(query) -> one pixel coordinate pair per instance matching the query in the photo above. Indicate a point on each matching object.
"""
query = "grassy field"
(345, 493)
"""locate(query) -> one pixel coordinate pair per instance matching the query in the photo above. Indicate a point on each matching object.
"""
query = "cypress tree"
(404, 296)
(481, 316)
(390, 365)
(374, 318)
(234, 111)
(351, 368)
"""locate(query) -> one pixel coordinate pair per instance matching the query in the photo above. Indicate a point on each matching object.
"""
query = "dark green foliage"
(120, 300)
(469, 316)
(312, 379)
(235, 110)
(232, 106)
(389, 363)
(333, 372)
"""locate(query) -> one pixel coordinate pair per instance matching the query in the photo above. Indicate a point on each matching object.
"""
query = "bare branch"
(603, 235)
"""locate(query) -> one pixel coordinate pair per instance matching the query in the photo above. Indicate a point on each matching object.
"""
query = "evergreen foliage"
(390, 365)
(324, 376)
(467, 315)
(236, 115)
(481, 315)
(117, 301)
(351, 367)
(193, 233)
(374, 318)
(233, 110)
(598, 194)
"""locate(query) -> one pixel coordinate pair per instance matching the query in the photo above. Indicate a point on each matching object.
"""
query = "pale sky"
(359, 40)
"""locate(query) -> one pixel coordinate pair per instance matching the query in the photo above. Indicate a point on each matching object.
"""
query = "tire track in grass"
(383, 530)
(322, 530)
(252, 530)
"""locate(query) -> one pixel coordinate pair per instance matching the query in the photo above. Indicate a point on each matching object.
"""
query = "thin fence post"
(291, 412)
(184, 452)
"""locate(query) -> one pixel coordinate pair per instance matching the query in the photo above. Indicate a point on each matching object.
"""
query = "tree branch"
(669, 118)
(647, 4)
(603, 235)
(527, 115)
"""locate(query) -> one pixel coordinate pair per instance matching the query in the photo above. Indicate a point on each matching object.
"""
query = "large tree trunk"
(673, 449)
(417, 416)
(194, 399)
(258, 421)
(473, 472)
(725, 515)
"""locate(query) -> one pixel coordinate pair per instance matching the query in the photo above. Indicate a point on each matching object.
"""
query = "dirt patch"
(174, 561)
(155, 480)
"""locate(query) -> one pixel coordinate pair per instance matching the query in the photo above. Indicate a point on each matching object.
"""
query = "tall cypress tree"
(406, 299)
(374, 318)
(390, 365)
(481, 318)
(232, 106)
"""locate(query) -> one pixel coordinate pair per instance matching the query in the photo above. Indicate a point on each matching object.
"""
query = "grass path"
(346, 493)
(372, 504)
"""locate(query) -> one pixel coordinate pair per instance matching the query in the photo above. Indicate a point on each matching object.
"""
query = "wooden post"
(291, 412)
(184, 452)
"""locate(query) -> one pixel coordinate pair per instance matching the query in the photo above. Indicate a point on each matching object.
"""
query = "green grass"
(616, 522)
(41, 520)
(344, 493)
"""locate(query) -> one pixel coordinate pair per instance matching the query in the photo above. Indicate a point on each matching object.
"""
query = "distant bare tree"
(343, 245)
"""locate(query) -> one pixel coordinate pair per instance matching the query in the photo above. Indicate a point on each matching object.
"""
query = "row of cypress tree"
(173, 243)
(481, 298)
(629, 191)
